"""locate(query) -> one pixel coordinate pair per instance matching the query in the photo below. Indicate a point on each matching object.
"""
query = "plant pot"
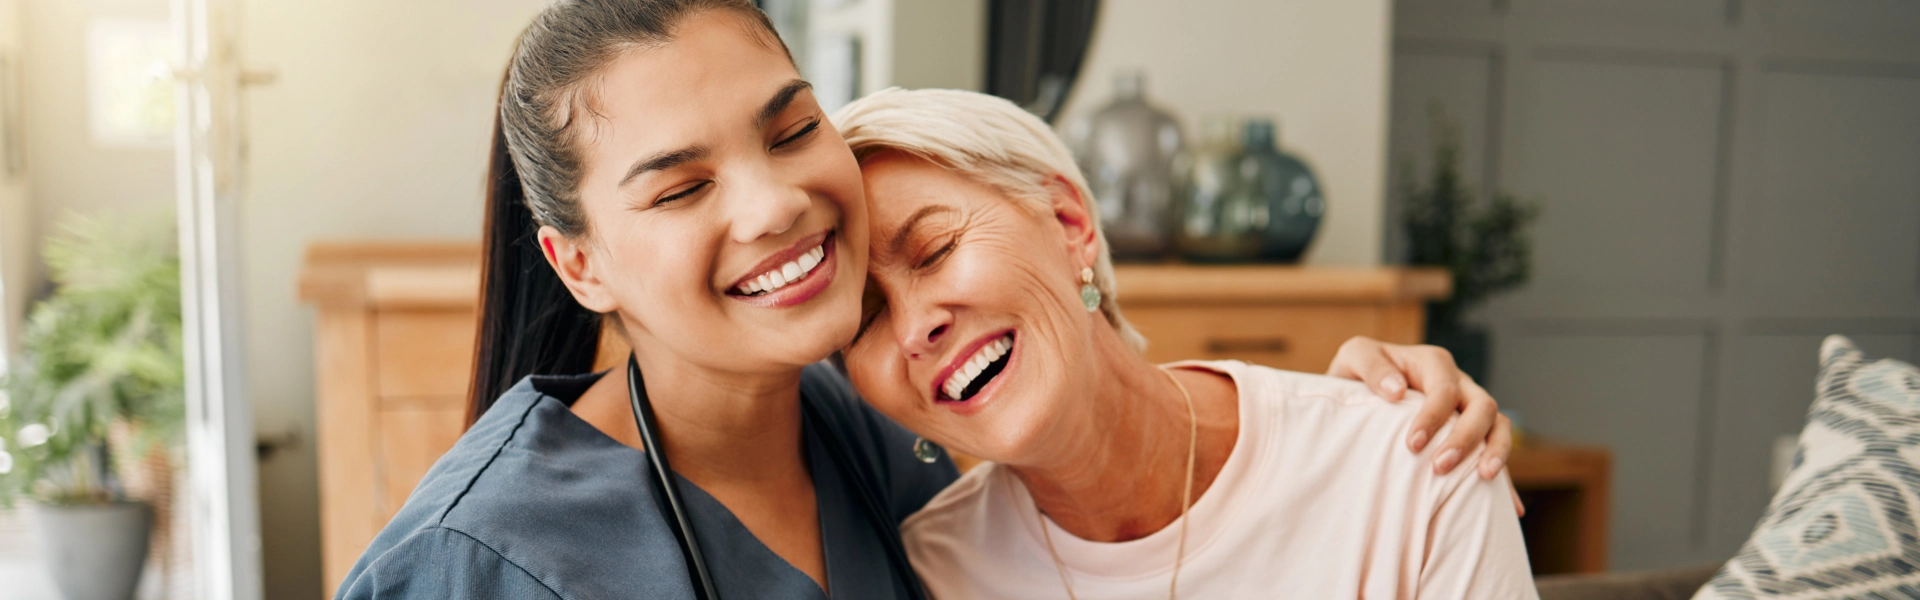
(95, 551)
(1471, 346)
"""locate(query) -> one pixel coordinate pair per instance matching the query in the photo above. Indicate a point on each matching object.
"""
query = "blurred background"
(1633, 220)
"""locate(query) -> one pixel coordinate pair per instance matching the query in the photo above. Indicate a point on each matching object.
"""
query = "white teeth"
(963, 376)
(785, 274)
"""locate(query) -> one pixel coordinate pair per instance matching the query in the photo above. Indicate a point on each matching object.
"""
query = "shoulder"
(437, 562)
(453, 475)
(1290, 400)
(537, 489)
(961, 519)
(1336, 432)
(882, 445)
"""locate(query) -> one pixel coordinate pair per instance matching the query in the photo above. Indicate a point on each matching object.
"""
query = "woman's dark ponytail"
(529, 323)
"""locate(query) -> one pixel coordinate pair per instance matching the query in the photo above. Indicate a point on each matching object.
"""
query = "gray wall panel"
(1460, 81)
(1658, 13)
(1639, 394)
(1844, 17)
(1724, 183)
(1838, 210)
(1623, 159)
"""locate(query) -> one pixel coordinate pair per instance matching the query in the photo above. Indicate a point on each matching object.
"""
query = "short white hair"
(988, 140)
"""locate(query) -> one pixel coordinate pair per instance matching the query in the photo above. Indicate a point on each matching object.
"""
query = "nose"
(766, 206)
(923, 331)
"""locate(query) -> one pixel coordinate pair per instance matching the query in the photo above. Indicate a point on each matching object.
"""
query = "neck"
(715, 426)
(1133, 435)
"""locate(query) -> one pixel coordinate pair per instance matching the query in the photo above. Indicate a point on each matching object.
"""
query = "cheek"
(832, 173)
(875, 368)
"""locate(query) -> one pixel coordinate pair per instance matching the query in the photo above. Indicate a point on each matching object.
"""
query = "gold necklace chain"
(1186, 501)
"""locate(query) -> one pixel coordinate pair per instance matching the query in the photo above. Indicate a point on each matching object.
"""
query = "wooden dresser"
(393, 337)
(395, 327)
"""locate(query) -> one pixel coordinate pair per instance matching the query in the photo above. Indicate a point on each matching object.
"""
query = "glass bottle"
(1217, 217)
(1288, 202)
(1126, 150)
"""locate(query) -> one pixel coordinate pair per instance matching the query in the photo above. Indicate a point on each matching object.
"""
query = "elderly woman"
(991, 326)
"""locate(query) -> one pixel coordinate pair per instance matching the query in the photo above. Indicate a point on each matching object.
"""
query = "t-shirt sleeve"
(887, 446)
(442, 563)
(1474, 547)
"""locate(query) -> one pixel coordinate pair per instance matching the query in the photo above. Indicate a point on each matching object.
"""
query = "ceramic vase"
(1126, 150)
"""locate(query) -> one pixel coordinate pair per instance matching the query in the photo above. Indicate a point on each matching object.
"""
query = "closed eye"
(798, 135)
(681, 194)
(936, 256)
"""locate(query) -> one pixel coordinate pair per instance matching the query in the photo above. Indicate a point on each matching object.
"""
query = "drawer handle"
(1247, 345)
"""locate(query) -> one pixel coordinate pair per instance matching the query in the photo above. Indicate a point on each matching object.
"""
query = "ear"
(1076, 219)
(573, 260)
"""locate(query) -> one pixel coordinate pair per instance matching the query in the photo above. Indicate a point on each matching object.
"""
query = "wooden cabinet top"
(1193, 284)
(391, 275)
(447, 275)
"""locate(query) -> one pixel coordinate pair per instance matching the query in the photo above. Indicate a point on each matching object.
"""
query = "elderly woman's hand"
(1391, 369)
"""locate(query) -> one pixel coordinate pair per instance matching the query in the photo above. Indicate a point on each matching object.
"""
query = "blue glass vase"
(1287, 198)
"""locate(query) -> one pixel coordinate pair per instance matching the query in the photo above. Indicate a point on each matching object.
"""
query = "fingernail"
(1446, 461)
(1492, 468)
(1417, 441)
(1394, 384)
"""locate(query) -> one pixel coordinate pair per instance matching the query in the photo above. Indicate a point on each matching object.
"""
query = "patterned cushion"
(1843, 524)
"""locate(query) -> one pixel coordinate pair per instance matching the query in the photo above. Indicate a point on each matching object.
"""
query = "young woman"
(660, 167)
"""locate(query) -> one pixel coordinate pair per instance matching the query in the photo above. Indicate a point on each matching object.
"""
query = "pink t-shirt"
(1320, 499)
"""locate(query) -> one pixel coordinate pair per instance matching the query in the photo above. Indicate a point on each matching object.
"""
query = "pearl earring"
(1089, 295)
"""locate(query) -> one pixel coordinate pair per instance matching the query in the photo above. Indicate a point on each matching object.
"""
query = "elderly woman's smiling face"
(973, 332)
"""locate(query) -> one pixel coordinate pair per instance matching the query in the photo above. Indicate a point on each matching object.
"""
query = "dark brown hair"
(529, 323)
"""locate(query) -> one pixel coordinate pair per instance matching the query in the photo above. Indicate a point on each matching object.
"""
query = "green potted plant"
(1480, 239)
(100, 378)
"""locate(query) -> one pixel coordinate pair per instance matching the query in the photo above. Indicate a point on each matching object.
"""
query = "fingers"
(1518, 508)
(1366, 360)
(1433, 373)
(1475, 422)
(1433, 414)
(1499, 447)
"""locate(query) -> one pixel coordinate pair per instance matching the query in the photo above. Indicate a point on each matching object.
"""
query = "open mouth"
(786, 272)
(979, 370)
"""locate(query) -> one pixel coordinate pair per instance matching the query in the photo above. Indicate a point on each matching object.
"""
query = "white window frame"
(225, 513)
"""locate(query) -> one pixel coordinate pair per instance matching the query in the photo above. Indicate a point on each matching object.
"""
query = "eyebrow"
(780, 101)
(900, 235)
(663, 161)
(674, 158)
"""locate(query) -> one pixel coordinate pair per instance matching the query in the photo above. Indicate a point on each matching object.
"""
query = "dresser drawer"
(1295, 337)
(423, 353)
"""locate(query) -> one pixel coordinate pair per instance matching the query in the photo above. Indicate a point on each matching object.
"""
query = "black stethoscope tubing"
(675, 512)
(668, 489)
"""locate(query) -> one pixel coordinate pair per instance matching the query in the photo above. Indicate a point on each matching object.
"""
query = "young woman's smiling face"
(725, 214)
(972, 332)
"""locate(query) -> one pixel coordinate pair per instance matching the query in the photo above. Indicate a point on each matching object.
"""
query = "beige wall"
(375, 128)
(17, 270)
(1319, 66)
(71, 172)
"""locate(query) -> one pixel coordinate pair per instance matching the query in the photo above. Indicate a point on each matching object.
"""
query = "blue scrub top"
(533, 502)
